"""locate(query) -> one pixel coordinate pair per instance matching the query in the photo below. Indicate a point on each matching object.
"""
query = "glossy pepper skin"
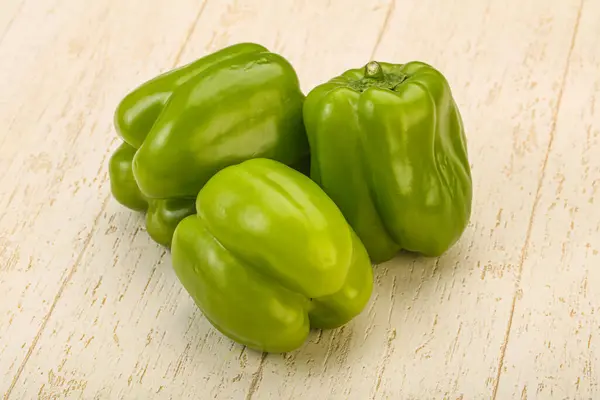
(139, 109)
(162, 215)
(183, 126)
(388, 146)
(269, 255)
(122, 183)
(238, 103)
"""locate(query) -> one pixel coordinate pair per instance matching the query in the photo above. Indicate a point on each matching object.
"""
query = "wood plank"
(435, 328)
(10, 10)
(92, 309)
(554, 346)
(63, 67)
(123, 326)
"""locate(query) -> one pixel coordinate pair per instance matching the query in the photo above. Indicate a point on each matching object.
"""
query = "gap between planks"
(523, 255)
(88, 240)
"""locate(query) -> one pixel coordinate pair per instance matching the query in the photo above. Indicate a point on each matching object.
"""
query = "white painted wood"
(554, 344)
(92, 309)
(10, 10)
(435, 328)
(63, 67)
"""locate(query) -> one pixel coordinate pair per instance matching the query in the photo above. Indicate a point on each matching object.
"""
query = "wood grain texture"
(92, 308)
(158, 343)
(554, 350)
(60, 84)
(443, 321)
(10, 11)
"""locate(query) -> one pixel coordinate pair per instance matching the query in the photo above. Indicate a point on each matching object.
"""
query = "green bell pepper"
(162, 215)
(122, 183)
(183, 126)
(238, 103)
(388, 146)
(269, 255)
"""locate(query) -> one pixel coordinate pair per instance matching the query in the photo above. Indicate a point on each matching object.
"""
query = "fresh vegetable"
(238, 103)
(275, 204)
(183, 126)
(162, 215)
(269, 255)
(122, 183)
(388, 146)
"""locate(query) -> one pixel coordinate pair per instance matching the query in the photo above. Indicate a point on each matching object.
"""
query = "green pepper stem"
(373, 70)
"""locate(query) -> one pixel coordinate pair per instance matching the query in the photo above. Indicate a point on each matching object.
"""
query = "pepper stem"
(373, 70)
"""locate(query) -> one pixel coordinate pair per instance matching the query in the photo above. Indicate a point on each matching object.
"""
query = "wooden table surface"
(90, 307)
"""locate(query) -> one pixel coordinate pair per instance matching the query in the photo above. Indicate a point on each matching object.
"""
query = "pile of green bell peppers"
(275, 204)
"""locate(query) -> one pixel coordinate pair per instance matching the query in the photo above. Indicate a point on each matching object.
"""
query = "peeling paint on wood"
(92, 309)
